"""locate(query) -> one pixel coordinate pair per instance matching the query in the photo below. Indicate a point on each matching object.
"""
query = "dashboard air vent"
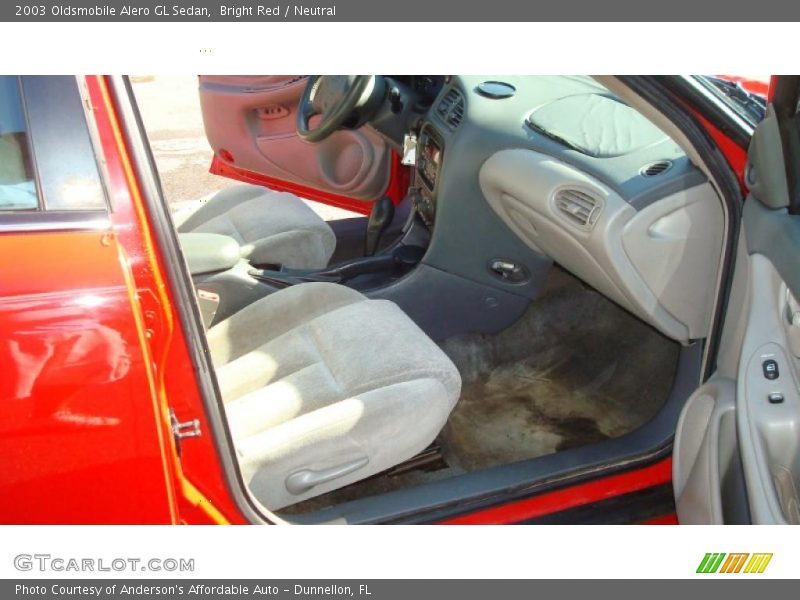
(451, 108)
(578, 207)
(656, 168)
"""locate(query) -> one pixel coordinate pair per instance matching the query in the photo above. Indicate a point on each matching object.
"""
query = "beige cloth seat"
(271, 227)
(324, 387)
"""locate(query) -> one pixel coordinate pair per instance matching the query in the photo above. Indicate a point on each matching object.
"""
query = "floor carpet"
(573, 370)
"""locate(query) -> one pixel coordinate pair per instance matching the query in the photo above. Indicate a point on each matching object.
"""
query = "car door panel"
(250, 125)
(736, 456)
(767, 398)
(759, 363)
(770, 430)
(706, 468)
(775, 234)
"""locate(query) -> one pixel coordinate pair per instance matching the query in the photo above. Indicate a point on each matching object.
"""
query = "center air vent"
(656, 168)
(451, 108)
(578, 207)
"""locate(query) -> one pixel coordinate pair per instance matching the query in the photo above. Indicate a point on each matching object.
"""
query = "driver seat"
(270, 227)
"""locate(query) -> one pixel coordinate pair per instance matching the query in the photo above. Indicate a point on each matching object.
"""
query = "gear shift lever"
(380, 217)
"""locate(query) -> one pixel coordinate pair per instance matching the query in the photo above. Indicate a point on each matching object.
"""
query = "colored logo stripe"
(758, 563)
(713, 562)
(710, 562)
(734, 563)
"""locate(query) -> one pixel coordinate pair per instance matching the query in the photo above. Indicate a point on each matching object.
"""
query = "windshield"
(745, 95)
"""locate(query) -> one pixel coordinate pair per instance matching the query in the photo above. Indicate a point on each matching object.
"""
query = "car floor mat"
(573, 370)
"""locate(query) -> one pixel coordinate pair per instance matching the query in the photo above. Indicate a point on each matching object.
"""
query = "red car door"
(250, 125)
(81, 439)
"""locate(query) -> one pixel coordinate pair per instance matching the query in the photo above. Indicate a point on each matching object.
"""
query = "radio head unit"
(429, 161)
(430, 153)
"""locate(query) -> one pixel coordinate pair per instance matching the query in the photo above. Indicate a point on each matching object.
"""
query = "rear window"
(47, 158)
(17, 185)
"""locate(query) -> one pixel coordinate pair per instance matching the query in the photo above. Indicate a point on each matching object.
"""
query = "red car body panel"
(90, 355)
(571, 497)
(203, 495)
(94, 357)
(75, 432)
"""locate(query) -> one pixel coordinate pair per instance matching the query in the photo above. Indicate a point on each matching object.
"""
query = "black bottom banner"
(382, 589)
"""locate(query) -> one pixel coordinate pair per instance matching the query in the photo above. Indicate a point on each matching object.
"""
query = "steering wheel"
(334, 97)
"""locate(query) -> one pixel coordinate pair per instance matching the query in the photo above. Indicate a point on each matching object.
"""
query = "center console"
(430, 153)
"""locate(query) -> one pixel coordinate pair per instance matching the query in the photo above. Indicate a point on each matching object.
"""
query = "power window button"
(770, 368)
(775, 398)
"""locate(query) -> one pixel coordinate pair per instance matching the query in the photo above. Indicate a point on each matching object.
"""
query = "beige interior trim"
(652, 113)
(652, 262)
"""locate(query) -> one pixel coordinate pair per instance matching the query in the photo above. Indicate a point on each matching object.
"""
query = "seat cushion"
(271, 227)
(317, 379)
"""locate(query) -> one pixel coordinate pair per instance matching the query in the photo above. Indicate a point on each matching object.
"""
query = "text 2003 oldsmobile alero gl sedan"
(569, 299)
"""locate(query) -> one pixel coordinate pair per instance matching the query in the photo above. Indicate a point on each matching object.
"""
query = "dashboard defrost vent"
(578, 207)
(656, 168)
(451, 108)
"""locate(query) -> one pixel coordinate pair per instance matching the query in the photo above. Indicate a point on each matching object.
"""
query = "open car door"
(737, 449)
(250, 123)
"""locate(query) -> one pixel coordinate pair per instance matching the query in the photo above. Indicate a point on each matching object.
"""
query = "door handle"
(271, 112)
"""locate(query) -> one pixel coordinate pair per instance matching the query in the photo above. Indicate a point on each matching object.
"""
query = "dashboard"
(534, 170)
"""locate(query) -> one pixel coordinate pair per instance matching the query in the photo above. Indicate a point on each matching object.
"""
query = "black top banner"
(400, 11)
